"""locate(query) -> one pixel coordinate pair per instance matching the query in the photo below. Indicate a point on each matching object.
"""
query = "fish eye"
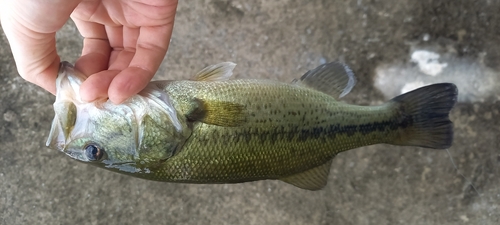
(94, 152)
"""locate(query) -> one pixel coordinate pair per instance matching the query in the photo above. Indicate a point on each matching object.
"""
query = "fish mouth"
(68, 83)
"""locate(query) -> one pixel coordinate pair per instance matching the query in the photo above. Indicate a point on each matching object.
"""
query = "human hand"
(124, 41)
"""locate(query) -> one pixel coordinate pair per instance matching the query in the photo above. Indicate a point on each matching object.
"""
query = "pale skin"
(124, 43)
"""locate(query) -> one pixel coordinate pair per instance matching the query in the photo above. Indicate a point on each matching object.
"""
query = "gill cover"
(145, 127)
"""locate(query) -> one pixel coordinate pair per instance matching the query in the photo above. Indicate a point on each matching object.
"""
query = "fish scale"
(256, 140)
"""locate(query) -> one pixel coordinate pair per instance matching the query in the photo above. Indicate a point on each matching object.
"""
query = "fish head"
(112, 136)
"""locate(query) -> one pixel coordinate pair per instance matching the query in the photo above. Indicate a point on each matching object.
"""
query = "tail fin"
(424, 115)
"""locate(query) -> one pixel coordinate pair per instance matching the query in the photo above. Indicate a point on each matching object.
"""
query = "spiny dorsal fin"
(312, 179)
(217, 72)
(218, 113)
(334, 78)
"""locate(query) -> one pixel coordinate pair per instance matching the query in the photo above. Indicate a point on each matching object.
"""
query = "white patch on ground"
(428, 62)
(474, 80)
(412, 86)
(426, 37)
(464, 218)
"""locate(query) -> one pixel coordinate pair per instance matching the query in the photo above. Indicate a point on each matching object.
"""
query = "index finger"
(151, 48)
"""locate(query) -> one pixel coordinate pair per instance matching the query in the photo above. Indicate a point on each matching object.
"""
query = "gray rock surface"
(281, 40)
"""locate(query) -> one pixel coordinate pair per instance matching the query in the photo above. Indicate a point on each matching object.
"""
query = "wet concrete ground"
(281, 40)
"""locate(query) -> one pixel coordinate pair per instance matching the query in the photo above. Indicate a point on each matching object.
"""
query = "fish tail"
(423, 115)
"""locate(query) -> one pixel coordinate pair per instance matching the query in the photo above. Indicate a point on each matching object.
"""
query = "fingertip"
(96, 86)
(92, 63)
(118, 99)
(128, 83)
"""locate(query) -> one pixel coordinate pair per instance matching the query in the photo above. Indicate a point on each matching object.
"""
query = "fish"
(212, 129)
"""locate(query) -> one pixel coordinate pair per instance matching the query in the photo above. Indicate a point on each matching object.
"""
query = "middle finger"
(124, 40)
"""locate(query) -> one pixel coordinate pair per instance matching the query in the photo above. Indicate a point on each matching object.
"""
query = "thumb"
(30, 27)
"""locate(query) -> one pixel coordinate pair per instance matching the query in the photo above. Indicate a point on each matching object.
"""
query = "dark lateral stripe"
(303, 134)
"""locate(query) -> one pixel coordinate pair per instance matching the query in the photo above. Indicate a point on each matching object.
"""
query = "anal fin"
(312, 179)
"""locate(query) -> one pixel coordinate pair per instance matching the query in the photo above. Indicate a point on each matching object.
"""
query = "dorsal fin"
(217, 72)
(334, 78)
(220, 113)
(312, 179)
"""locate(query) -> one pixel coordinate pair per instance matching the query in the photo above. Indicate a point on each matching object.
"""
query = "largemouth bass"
(215, 130)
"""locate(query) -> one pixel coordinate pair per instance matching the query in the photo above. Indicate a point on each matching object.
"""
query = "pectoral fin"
(334, 78)
(218, 113)
(312, 179)
(63, 123)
